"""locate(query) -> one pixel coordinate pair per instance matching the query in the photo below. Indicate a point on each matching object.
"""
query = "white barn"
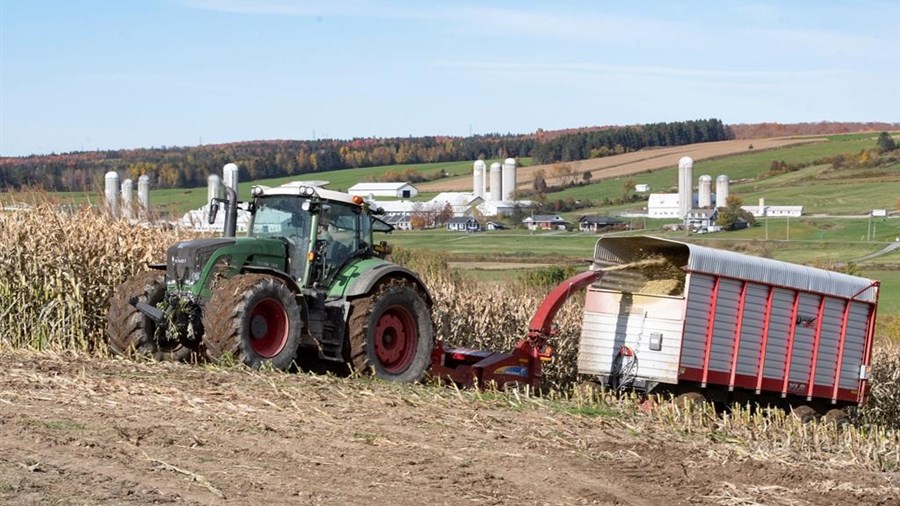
(395, 190)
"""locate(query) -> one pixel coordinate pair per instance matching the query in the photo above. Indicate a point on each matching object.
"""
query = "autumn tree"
(732, 213)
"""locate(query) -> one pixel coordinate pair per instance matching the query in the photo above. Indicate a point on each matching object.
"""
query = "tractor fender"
(291, 284)
(364, 283)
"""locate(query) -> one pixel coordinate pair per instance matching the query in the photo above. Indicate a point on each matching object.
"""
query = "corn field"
(57, 271)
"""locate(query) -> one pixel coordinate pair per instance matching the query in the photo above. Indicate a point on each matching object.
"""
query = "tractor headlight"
(306, 205)
(307, 190)
(256, 191)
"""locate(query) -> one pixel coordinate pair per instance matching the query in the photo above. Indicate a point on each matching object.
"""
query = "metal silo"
(685, 185)
(128, 199)
(495, 181)
(705, 200)
(144, 193)
(478, 178)
(230, 176)
(509, 179)
(722, 191)
(111, 191)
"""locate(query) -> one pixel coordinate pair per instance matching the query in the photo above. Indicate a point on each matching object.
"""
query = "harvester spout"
(542, 322)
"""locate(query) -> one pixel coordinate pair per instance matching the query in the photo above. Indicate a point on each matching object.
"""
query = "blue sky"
(108, 74)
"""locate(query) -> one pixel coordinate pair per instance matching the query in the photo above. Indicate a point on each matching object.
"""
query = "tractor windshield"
(282, 216)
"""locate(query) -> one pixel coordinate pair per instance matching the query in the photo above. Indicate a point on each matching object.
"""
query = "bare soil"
(627, 164)
(82, 430)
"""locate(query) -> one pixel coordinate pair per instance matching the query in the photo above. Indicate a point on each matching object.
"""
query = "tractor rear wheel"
(131, 333)
(255, 319)
(390, 332)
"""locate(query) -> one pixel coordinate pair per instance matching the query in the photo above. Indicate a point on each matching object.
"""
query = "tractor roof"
(307, 189)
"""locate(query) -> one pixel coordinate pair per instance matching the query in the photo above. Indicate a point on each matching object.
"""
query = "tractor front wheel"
(255, 319)
(131, 333)
(391, 333)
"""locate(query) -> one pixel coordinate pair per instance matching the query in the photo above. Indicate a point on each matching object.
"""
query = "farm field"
(82, 430)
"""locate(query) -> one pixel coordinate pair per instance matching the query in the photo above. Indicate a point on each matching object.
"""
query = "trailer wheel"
(391, 333)
(805, 414)
(255, 319)
(838, 417)
(131, 333)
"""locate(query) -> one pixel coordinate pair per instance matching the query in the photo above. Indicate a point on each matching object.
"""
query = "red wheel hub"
(396, 339)
(268, 327)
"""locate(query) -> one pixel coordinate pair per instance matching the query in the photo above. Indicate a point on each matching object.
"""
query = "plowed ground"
(80, 430)
(628, 163)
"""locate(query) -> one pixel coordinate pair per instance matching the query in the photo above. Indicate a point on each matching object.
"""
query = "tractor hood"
(185, 260)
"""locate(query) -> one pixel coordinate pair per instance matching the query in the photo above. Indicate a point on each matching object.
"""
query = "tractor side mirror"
(213, 211)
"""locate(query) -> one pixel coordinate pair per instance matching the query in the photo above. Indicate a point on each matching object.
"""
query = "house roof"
(363, 187)
(461, 219)
(545, 218)
(600, 220)
(702, 213)
(393, 218)
(457, 198)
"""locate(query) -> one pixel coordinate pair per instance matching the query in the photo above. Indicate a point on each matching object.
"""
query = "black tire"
(131, 333)
(838, 417)
(805, 414)
(391, 333)
(255, 319)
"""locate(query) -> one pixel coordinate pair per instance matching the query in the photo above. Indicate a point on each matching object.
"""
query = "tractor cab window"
(283, 217)
(339, 229)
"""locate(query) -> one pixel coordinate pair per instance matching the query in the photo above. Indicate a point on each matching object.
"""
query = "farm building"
(666, 205)
(493, 225)
(463, 224)
(545, 222)
(462, 203)
(642, 188)
(400, 221)
(394, 190)
(702, 219)
(762, 210)
(502, 207)
(593, 223)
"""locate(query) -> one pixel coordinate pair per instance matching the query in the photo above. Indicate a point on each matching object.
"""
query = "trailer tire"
(838, 417)
(254, 319)
(805, 414)
(390, 332)
(131, 333)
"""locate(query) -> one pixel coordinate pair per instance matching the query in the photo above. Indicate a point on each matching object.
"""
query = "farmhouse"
(593, 223)
(545, 222)
(400, 221)
(394, 190)
(702, 219)
(463, 224)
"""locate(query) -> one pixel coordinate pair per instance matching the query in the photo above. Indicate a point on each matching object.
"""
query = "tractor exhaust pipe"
(231, 205)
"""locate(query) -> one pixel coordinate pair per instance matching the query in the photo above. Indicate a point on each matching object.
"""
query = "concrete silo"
(230, 176)
(478, 178)
(705, 198)
(685, 185)
(496, 182)
(111, 192)
(128, 199)
(722, 191)
(509, 179)
(144, 193)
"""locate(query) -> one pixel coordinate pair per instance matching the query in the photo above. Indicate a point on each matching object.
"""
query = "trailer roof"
(619, 250)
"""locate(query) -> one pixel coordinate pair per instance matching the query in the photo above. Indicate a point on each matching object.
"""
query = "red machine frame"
(468, 367)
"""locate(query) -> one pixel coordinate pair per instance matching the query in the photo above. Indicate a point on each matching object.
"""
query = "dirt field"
(76, 430)
(628, 163)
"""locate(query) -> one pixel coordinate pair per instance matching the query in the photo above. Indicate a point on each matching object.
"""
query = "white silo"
(685, 185)
(478, 178)
(722, 191)
(214, 188)
(128, 199)
(144, 193)
(230, 176)
(705, 198)
(111, 191)
(496, 181)
(509, 179)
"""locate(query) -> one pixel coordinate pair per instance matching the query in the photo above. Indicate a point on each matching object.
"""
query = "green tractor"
(307, 282)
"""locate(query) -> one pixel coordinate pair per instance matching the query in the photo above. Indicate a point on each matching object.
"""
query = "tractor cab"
(323, 230)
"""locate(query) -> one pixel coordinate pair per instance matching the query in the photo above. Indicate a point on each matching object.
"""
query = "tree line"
(180, 167)
(613, 141)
